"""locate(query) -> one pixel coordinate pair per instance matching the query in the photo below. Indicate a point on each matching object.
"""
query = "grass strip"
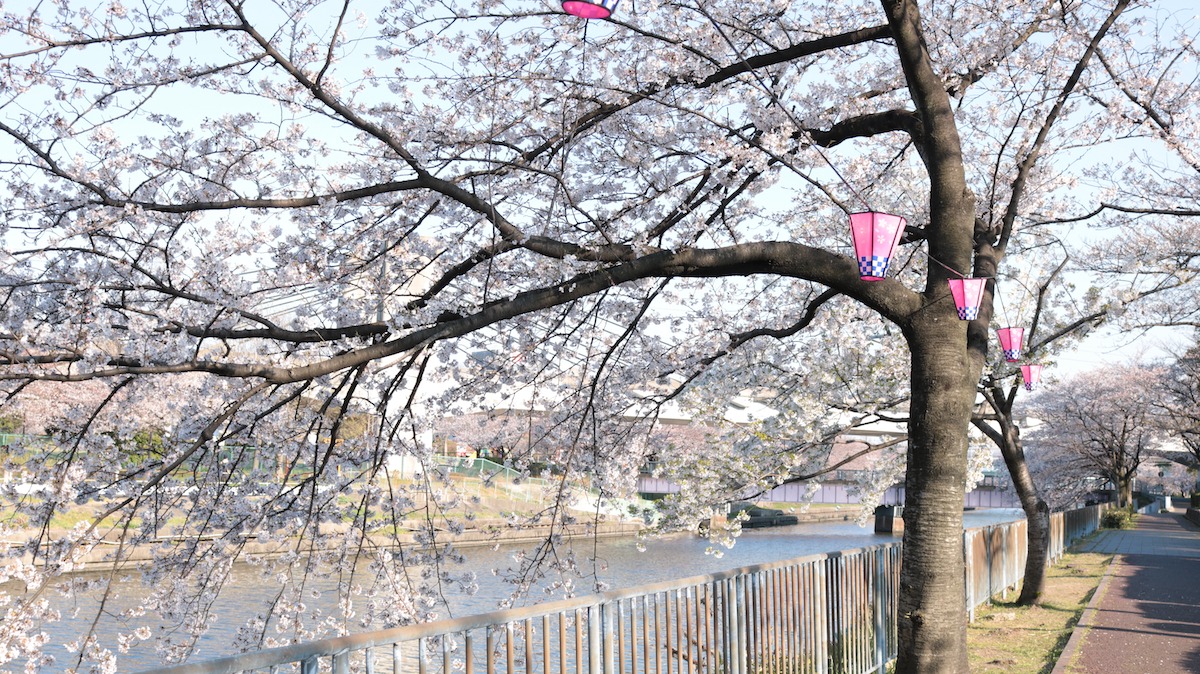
(1028, 639)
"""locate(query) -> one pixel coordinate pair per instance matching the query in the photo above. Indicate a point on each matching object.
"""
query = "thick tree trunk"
(931, 613)
(1125, 492)
(1037, 517)
(932, 617)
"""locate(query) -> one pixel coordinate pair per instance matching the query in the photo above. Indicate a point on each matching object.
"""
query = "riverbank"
(816, 512)
(481, 533)
(848, 514)
(615, 562)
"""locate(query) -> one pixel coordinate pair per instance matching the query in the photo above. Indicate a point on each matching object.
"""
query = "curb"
(1193, 515)
(1085, 620)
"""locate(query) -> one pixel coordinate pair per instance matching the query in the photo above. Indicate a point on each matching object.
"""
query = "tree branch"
(783, 258)
(1031, 157)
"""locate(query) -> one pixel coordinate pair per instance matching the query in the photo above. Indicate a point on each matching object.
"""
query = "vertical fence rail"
(831, 613)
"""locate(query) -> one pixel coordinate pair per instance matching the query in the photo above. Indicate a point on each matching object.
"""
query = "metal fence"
(1074, 525)
(21, 439)
(817, 614)
(995, 555)
(820, 614)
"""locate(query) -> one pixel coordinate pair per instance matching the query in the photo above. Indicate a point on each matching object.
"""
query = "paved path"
(1145, 615)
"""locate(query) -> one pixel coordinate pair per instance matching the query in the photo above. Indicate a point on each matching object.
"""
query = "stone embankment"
(848, 514)
(481, 533)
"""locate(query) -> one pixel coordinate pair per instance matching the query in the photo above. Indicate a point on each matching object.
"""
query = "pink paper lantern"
(875, 238)
(590, 9)
(1011, 340)
(968, 295)
(1032, 374)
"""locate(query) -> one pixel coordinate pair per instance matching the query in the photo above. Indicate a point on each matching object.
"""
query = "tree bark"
(1037, 517)
(931, 612)
(1125, 492)
(932, 618)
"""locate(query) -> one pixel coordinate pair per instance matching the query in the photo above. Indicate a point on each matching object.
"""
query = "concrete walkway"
(1145, 615)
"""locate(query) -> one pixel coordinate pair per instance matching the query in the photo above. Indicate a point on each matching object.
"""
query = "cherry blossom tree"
(1110, 420)
(998, 421)
(1063, 479)
(404, 210)
(1182, 386)
(1058, 322)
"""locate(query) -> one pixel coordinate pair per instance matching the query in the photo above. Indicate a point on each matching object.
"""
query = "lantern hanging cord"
(1000, 299)
(775, 100)
(945, 266)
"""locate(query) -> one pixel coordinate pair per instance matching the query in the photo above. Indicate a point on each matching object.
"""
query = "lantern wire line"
(947, 267)
(775, 99)
(1000, 300)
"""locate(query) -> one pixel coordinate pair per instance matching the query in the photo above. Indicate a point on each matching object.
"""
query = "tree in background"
(1040, 488)
(1109, 420)
(408, 212)
(1182, 386)
(1063, 479)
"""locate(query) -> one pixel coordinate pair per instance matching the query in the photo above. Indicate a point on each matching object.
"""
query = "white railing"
(829, 613)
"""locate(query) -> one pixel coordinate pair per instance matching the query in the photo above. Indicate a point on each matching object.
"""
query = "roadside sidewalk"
(1145, 615)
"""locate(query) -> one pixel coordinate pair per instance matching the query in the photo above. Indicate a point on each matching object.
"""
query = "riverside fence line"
(829, 613)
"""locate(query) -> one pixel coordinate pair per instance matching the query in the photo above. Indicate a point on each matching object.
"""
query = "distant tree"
(1064, 479)
(500, 436)
(1109, 419)
(1182, 385)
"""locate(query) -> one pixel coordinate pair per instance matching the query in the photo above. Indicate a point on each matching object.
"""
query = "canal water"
(614, 562)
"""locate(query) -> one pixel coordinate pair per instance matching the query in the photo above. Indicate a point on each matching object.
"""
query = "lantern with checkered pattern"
(1032, 374)
(876, 236)
(968, 295)
(1011, 340)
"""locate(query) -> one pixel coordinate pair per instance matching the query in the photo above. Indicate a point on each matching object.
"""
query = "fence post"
(342, 662)
(824, 632)
(593, 618)
(606, 616)
(1006, 555)
(968, 575)
(878, 593)
(737, 655)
